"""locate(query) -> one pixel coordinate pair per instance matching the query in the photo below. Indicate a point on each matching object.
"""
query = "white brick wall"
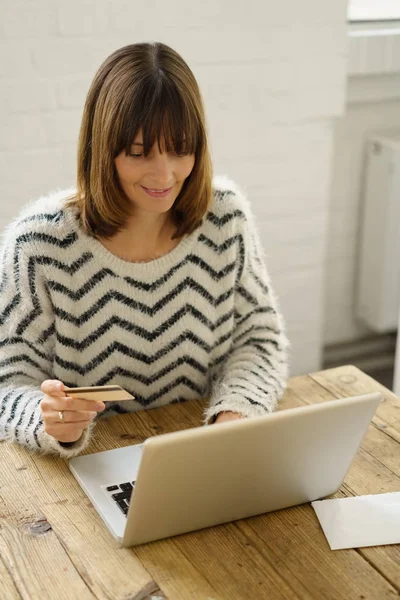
(273, 79)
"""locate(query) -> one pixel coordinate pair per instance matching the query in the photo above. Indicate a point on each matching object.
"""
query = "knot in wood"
(38, 527)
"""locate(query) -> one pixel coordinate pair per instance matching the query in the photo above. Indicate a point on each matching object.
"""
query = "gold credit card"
(104, 393)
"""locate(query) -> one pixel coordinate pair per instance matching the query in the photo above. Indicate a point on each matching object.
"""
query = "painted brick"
(26, 20)
(93, 18)
(30, 95)
(272, 85)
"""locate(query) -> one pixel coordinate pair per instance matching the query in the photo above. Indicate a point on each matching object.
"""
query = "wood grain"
(54, 545)
(376, 466)
(74, 556)
(7, 585)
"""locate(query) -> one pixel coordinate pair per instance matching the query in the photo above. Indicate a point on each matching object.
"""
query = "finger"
(72, 416)
(68, 403)
(53, 419)
(52, 387)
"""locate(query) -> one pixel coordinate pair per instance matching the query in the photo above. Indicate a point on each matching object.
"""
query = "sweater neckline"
(140, 268)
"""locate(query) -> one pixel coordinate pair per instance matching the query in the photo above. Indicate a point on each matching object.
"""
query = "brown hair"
(149, 87)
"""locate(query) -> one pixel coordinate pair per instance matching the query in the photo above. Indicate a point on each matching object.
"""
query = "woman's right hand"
(77, 413)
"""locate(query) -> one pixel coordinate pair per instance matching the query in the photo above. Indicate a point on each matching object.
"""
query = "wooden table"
(54, 546)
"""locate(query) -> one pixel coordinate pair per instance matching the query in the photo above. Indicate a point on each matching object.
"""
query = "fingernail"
(93, 414)
(100, 405)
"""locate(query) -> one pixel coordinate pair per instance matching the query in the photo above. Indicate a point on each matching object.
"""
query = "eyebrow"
(137, 144)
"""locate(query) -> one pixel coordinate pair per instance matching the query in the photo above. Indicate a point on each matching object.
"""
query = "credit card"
(104, 393)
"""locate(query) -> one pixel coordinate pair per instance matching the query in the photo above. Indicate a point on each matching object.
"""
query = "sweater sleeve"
(27, 335)
(253, 376)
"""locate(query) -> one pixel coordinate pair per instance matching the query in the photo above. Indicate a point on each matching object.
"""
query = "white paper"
(360, 521)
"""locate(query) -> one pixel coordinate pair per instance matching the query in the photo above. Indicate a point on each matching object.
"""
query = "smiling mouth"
(157, 193)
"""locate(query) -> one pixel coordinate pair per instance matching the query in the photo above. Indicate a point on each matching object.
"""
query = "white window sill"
(374, 48)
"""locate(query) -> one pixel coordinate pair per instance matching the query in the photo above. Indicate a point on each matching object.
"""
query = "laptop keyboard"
(121, 494)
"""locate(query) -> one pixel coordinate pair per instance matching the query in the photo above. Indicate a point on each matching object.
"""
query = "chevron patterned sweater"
(201, 321)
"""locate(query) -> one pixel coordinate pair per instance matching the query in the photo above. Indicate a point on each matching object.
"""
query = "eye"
(182, 153)
(136, 155)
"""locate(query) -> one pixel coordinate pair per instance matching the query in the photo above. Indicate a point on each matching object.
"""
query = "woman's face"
(152, 182)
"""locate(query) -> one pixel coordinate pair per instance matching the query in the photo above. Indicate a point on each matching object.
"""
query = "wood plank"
(293, 538)
(252, 558)
(349, 380)
(175, 573)
(53, 541)
(8, 591)
(29, 548)
(376, 466)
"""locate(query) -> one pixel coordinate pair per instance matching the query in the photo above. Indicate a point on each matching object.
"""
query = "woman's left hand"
(228, 415)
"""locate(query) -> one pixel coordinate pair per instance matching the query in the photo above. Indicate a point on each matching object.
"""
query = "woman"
(147, 274)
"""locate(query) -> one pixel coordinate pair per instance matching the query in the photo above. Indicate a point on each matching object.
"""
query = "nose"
(162, 170)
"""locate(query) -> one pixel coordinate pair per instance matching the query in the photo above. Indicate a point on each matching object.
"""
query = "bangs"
(164, 116)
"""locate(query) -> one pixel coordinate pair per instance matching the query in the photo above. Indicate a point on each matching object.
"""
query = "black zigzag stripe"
(32, 418)
(31, 236)
(9, 308)
(261, 393)
(70, 269)
(258, 281)
(264, 358)
(12, 360)
(14, 407)
(156, 376)
(188, 282)
(216, 275)
(151, 287)
(221, 340)
(134, 354)
(122, 349)
(227, 218)
(261, 340)
(242, 291)
(21, 418)
(247, 399)
(125, 325)
(220, 195)
(254, 328)
(263, 353)
(146, 401)
(220, 248)
(50, 217)
(142, 400)
(36, 432)
(267, 375)
(47, 333)
(5, 401)
(261, 349)
(240, 319)
(113, 295)
(21, 340)
(20, 242)
(8, 376)
(85, 289)
(100, 275)
(12, 411)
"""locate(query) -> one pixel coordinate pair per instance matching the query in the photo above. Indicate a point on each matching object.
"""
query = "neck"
(147, 230)
(144, 237)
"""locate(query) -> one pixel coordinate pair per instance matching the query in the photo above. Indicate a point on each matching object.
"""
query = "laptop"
(183, 481)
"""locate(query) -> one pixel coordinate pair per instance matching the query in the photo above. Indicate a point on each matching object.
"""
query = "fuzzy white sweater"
(201, 321)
